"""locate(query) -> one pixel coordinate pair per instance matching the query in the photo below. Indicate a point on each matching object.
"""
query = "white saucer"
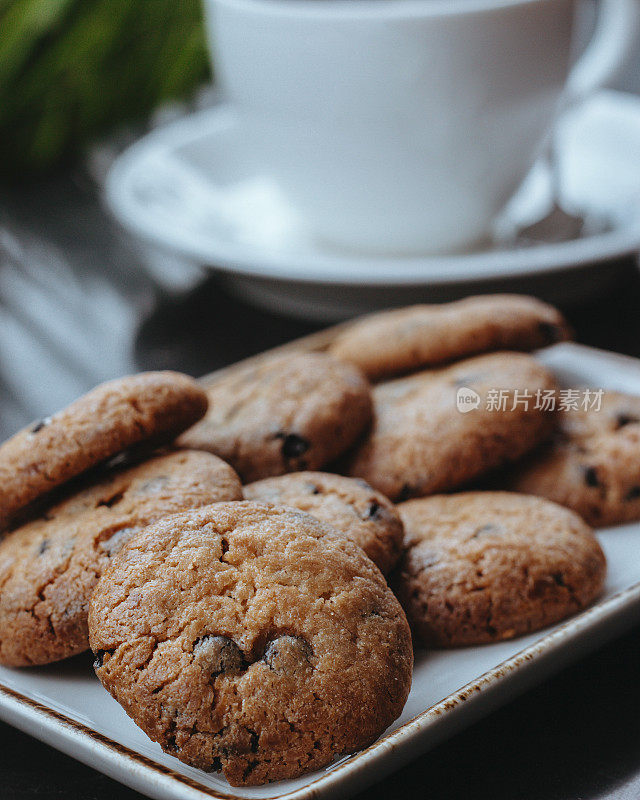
(183, 191)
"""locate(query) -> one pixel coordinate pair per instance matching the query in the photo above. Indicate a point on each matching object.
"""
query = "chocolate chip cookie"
(349, 505)
(252, 639)
(425, 439)
(486, 566)
(419, 336)
(49, 566)
(107, 420)
(592, 464)
(286, 414)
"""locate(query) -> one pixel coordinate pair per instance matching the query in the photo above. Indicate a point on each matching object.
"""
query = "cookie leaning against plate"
(49, 567)
(252, 639)
(592, 464)
(285, 414)
(102, 423)
(486, 566)
(421, 443)
(421, 336)
(349, 505)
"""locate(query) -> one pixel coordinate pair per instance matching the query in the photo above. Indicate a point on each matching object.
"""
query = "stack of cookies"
(241, 635)
(235, 559)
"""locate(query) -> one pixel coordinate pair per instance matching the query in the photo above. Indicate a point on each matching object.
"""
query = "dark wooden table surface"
(75, 309)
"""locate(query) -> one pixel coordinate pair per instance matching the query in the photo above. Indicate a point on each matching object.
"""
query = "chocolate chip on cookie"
(420, 336)
(486, 566)
(253, 639)
(49, 566)
(592, 465)
(109, 419)
(423, 442)
(351, 506)
(286, 414)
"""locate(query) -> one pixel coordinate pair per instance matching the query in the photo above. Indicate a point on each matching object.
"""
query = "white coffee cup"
(404, 126)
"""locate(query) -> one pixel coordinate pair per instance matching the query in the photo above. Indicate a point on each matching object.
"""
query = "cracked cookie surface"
(592, 464)
(110, 418)
(50, 566)
(285, 414)
(486, 566)
(350, 505)
(429, 335)
(253, 639)
(421, 443)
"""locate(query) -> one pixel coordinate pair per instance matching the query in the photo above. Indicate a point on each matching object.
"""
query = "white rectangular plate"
(64, 704)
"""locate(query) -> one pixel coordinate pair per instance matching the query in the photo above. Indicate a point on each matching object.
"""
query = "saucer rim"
(337, 268)
(373, 9)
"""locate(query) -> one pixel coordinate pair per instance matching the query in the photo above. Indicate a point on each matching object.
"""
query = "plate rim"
(254, 262)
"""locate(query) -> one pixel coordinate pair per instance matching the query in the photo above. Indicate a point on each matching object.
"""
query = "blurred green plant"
(71, 70)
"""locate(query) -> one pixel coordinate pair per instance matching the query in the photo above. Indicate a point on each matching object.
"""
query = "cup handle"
(616, 35)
